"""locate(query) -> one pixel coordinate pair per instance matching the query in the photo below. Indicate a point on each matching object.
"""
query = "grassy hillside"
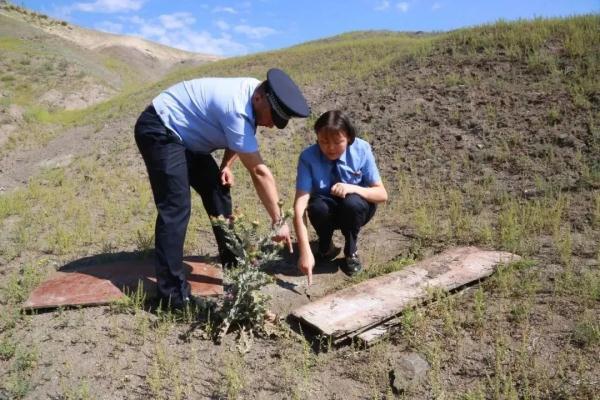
(35, 62)
(487, 136)
(49, 66)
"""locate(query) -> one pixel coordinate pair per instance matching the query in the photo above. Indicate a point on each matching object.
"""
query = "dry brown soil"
(437, 133)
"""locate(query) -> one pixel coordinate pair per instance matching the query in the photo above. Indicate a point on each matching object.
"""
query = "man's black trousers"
(172, 170)
(348, 214)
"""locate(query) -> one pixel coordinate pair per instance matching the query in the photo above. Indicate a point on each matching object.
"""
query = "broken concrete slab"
(356, 309)
(103, 283)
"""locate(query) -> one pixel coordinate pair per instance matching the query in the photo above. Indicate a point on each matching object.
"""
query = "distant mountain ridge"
(141, 54)
(48, 66)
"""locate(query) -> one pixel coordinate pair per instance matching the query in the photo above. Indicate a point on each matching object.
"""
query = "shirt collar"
(343, 156)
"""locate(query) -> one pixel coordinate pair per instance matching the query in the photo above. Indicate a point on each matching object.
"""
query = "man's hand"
(306, 263)
(342, 189)
(283, 235)
(226, 177)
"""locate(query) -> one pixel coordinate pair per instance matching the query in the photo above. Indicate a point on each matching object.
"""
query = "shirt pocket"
(354, 177)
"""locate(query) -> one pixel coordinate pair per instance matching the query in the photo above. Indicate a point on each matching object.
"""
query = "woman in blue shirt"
(338, 183)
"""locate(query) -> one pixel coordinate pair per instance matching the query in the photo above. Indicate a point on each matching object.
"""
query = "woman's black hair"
(336, 121)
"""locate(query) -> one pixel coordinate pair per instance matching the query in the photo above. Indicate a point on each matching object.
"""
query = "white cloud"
(229, 10)
(152, 31)
(176, 30)
(176, 20)
(202, 42)
(222, 25)
(436, 6)
(137, 20)
(254, 32)
(109, 6)
(403, 6)
(382, 6)
(110, 27)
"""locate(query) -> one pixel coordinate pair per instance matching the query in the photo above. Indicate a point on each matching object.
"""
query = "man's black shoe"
(229, 264)
(330, 254)
(175, 303)
(351, 265)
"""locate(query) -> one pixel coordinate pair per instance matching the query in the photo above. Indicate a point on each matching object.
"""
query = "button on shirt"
(211, 113)
(355, 166)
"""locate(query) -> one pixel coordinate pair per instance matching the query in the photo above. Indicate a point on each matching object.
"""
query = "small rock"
(590, 262)
(57, 162)
(270, 316)
(479, 146)
(565, 140)
(529, 193)
(407, 371)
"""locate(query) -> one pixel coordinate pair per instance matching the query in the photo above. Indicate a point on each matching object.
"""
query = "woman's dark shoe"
(330, 254)
(351, 265)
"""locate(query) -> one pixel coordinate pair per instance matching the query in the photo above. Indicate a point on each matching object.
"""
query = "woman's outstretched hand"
(306, 263)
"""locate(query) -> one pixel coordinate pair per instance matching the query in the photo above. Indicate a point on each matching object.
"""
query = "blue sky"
(231, 28)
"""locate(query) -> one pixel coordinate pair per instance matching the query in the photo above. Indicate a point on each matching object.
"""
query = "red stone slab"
(104, 283)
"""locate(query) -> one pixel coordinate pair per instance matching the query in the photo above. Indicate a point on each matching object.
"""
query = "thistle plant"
(243, 303)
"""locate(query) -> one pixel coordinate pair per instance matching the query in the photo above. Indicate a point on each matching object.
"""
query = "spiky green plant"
(243, 303)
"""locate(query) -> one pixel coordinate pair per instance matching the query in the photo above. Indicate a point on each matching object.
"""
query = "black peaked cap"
(285, 98)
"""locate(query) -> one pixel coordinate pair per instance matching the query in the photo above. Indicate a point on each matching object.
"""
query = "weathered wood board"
(354, 310)
(374, 334)
(104, 283)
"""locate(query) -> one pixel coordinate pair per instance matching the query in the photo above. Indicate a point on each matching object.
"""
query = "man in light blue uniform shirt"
(176, 135)
(211, 113)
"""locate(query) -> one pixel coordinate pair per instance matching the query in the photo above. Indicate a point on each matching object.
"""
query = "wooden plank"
(103, 283)
(357, 308)
(373, 335)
